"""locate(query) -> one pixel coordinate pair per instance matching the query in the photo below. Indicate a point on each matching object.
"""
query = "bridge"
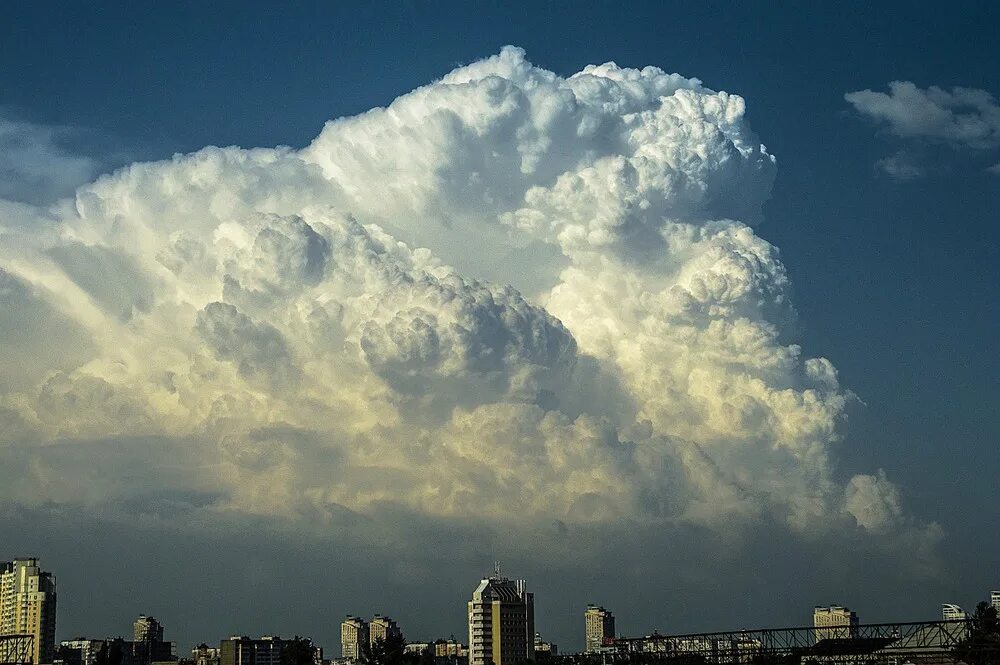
(921, 643)
(16, 649)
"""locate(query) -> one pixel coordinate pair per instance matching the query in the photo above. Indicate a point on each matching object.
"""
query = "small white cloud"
(960, 119)
(965, 117)
(900, 167)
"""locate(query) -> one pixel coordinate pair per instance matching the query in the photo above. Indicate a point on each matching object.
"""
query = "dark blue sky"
(895, 282)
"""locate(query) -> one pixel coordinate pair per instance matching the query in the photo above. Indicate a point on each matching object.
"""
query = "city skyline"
(499, 600)
(323, 308)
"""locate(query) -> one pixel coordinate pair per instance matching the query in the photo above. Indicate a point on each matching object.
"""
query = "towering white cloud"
(508, 294)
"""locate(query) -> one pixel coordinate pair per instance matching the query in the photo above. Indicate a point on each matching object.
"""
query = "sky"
(685, 310)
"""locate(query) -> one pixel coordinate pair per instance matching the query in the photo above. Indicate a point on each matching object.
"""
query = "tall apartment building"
(600, 627)
(834, 622)
(951, 612)
(28, 606)
(353, 633)
(147, 642)
(382, 628)
(501, 623)
(995, 599)
(147, 629)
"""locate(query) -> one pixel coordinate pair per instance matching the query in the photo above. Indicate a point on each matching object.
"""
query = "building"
(382, 628)
(147, 642)
(600, 628)
(28, 606)
(834, 622)
(450, 648)
(267, 650)
(501, 622)
(205, 655)
(80, 651)
(950, 612)
(995, 599)
(353, 633)
(147, 629)
(544, 650)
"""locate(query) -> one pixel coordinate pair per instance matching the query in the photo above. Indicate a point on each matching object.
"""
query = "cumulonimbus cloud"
(508, 293)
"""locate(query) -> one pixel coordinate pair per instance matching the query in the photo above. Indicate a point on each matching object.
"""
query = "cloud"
(900, 167)
(966, 117)
(35, 165)
(367, 326)
(962, 119)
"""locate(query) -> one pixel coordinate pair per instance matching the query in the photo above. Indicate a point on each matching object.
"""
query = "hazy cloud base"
(511, 313)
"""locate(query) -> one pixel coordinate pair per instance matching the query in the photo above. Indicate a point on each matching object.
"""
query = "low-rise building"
(834, 622)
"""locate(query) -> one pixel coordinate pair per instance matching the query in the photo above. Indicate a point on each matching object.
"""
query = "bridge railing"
(17, 649)
(890, 643)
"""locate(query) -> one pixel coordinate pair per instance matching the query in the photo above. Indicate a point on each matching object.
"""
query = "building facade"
(995, 599)
(80, 651)
(951, 612)
(243, 650)
(834, 622)
(205, 655)
(382, 628)
(28, 606)
(544, 650)
(501, 623)
(450, 648)
(353, 633)
(599, 624)
(147, 629)
(148, 645)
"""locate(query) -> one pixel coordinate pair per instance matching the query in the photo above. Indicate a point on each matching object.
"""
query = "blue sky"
(895, 280)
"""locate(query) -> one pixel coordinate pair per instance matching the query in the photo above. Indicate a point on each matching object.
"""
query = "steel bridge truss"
(16, 649)
(890, 643)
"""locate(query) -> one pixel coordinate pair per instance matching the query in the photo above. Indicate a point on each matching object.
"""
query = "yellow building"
(501, 623)
(28, 606)
(834, 623)
(353, 633)
(382, 628)
(600, 626)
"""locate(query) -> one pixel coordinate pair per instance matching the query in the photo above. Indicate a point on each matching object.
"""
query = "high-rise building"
(382, 628)
(353, 633)
(834, 622)
(147, 629)
(147, 642)
(28, 606)
(501, 622)
(950, 612)
(995, 599)
(600, 627)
